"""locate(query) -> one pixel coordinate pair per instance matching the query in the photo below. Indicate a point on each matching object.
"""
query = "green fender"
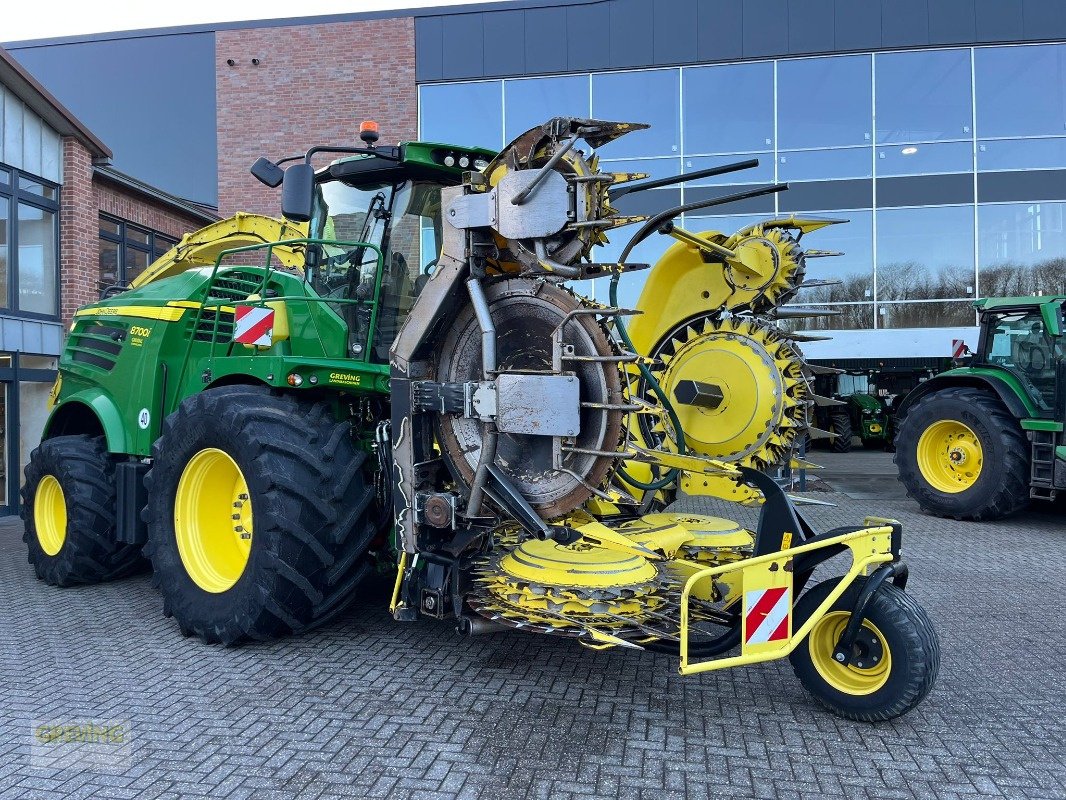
(101, 406)
(1002, 384)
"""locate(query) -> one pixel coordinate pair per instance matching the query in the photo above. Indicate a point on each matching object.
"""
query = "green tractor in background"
(980, 441)
(857, 411)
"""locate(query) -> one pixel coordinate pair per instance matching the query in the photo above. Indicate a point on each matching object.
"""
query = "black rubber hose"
(671, 476)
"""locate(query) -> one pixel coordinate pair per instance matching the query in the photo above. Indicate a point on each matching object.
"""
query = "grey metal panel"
(822, 195)
(631, 33)
(1044, 184)
(857, 25)
(810, 26)
(464, 57)
(674, 39)
(545, 40)
(590, 52)
(501, 31)
(650, 202)
(925, 190)
(753, 205)
(30, 336)
(952, 22)
(998, 20)
(52, 340)
(1044, 19)
(152, 100)
(429, 49)
(905, 23)
(720, 30)
(765, 28)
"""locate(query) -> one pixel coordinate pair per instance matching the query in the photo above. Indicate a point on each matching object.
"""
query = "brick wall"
(81, 201)
(314, 85)
(79, 230)
(114, 200)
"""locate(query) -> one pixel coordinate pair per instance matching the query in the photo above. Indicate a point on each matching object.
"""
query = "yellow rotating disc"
(950, 456)
(754, 381)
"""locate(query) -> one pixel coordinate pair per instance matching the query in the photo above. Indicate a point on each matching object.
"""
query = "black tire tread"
(90, 553)
(1008, 494)
(318, 520)
(890, 607)
(840, 424)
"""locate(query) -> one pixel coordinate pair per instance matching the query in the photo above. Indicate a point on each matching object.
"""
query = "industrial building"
(937, 128)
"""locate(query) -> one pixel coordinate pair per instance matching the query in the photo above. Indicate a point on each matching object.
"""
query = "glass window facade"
(931, 154)
(29, 244)
(126, 250)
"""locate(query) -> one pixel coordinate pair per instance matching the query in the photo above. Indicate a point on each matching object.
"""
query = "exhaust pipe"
(474, 625)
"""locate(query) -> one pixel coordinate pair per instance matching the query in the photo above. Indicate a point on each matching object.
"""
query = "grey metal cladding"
(857, 25)
(618, 34)
(632, 23)
(674, 37)
(810, 26)
(501, 31)
(925, 190)
(464, 53)
(1044, 19)
(1024, 186)
(720, 30)
(952, 22)
(429, 46)
(590, 52)
(819, 195)
(998, 20)
(907, 24)
(31, 336)
(546, 37)
(765, 27)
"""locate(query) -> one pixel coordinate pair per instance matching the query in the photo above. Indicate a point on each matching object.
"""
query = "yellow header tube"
(772, 573)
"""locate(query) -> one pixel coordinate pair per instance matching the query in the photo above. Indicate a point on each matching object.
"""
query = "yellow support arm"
(201, 248)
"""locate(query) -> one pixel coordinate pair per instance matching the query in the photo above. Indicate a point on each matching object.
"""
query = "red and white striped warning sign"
(767, 614)
(253, 325)
(958, 349)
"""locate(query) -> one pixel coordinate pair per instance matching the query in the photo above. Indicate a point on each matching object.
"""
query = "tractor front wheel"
(68, 505)
(895, 658)
(840, 426)
(962, 454)
(258, 522)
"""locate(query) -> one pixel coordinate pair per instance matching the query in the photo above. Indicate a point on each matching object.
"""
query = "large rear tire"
(258, 515)
(68, 506)
(896, 654)
(962, 454)
(840, 424)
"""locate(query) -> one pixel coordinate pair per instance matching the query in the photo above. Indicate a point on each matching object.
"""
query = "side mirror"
(266, 171)
(298, 192)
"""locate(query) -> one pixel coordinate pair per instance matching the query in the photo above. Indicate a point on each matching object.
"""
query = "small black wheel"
(259, 514)
(840, 424)
(68, 506)
(896, 655)
(962, 454)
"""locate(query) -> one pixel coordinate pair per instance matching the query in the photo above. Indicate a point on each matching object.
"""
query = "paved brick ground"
(371, 708)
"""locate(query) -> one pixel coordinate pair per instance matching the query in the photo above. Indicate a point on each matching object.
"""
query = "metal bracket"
(844, 652)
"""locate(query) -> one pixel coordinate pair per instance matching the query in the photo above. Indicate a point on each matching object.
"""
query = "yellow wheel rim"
(213, 520)
(849, 679)
(950, 456)
(50, 515)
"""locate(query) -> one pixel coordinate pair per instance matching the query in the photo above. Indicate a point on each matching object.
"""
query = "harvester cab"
(982, 440)
(412, 385)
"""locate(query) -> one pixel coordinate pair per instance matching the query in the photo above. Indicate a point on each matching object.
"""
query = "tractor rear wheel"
(962, 454)
(840, 424)
(68, 505)
(895, 659)
(258, 515)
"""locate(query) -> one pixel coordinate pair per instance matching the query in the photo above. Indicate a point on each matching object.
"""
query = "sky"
(21, 20)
